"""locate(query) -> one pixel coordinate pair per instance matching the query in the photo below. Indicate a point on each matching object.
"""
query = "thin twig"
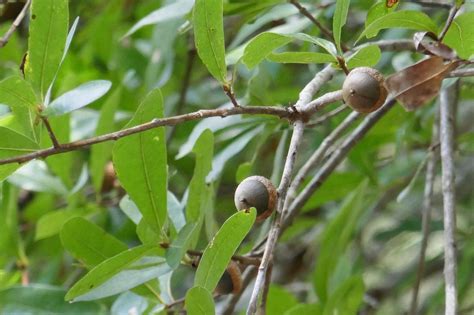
(4, 40)
(469, 72)
(336, 158)
(262, 308)
(426, 215)
(452, 13)
(281, 112)
(448, 99)
(244, 260)
(295, 142)
(230, 94)
(51, 134)
(323, 118)
(327, 33)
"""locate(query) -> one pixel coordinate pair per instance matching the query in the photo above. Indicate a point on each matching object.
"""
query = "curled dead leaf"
(428, 44)
(419, 83)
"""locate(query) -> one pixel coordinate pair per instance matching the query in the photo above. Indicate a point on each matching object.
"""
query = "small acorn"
(257, 192)
(231, 280)
(364, 90)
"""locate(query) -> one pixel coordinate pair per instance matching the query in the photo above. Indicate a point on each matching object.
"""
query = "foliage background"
(380, 183)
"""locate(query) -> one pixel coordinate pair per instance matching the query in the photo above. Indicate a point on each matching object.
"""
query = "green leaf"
(120, 273)
(166, 13)
(305, 309)
(300, 57)
(262, 45)
(199, 301)
(220, 249)
(89, 243)
(339, 20)
(77, 98)
(51, 223)
(209, 36)
(101, 152)
(42, 299)
(204, 151)
(48, 32)
(348, 298)
(378, 10)
(16, 92)
(9, 238)
(279, 300)
(243, 171)
(335, 238)
(365, 57)
(460, 35)
(12, 144)
(140, 163)
(182, 243)
(414, 20)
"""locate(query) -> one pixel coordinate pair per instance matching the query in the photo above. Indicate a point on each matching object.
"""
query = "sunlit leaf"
(199, 301)
(339, 20)
(365, 57)
(460, 35)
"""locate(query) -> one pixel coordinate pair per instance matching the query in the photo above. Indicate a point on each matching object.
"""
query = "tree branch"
(4, 40)
(295, 142)
(426, 214)
(448, 100)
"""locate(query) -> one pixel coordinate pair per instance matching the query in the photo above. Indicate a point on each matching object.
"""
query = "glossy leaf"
(141, 166)
(300, 57)
(51, 223)
(199, 301)
(414, 20)
(42, 299)
(101, 152)
(10, 93)
(119, 273)
(220, 249)
(166, 13)
(77, 98)
(47, 35)
(12, 144)
(460, 35)
(364, 57)
(78, 231)
(209, 36)
(339, 20)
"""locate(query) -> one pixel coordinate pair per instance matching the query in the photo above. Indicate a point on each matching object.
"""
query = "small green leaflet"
(209, 36)
(10, 95)
(339, 20)
(415, 20)
(199, 301)
(460, 35)
(364, 57)
(220, 249)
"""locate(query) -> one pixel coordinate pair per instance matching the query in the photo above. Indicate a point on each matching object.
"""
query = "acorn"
(257, 192)
(231, 280)
(364, 90)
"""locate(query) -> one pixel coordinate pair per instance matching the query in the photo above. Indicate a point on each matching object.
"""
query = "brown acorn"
(364, 90)
(231, 280)
(257, 192)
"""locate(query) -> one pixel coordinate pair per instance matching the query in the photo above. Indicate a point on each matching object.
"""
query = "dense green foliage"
(112, 239)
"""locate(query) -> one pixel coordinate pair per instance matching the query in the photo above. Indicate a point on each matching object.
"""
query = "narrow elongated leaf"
(169, 12)
(220, 249)
(365, 57)
(140, 163)
(414, 20)
(101, 152)
(16, 93)
(79, 97)
(279, 300)
(339, 20)
(300, 57)
(305, 309)
(199, 301)
(204, 151)
(347, 298)
(209, 36)
(460, 35)
(335, 238)
(51, 223)
(120, 273)
(89, 243)
(47, 35)
(181, 243)
(12, 144)
(42, 299)
(8, 223)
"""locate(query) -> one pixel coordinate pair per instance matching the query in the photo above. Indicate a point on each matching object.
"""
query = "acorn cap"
(257, 192)
(231, 280)
(364, 89)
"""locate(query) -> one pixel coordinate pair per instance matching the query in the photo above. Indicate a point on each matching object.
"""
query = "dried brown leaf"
(428, 44)
(419, 83)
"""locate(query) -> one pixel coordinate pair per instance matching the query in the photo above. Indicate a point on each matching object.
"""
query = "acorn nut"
(231, 280)
(364, 90)
(257, 192)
